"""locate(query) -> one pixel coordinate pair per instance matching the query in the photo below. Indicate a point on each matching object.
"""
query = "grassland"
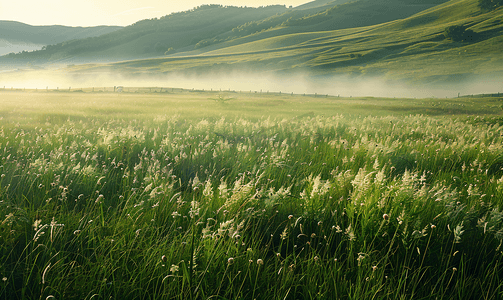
(413, 49)
(410, 49)
(211, 25)
(177, 194)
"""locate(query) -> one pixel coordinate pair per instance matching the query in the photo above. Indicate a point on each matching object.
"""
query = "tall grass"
(341, 207)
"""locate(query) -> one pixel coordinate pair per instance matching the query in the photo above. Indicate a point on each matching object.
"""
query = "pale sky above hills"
(108, 12)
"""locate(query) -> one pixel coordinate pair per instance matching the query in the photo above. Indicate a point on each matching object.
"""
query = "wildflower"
(230, 261)
(260, 262)
(99, 180)
(164, 258)
(454, 269)
(290, 217)
(350, 233)
(284, 234)
(433, 226)
(374, 268)
(361, 257)
(36, 224)
(208, 189)
(385, 217)
(174, 268)
(194, 209)
(100, 197)
(458, 231)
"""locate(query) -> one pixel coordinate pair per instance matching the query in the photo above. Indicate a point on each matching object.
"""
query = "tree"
(490, 4)
(459, 33)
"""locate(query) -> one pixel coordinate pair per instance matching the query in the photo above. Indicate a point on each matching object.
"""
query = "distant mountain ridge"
(391, 39)
(413, 49)
(16, 35)
(208, 26)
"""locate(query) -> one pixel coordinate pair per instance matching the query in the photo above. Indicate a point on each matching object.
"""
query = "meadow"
(182, 194)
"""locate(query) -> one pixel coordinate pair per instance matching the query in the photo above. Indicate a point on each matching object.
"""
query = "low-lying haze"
(108, 12)
(7, 47)
(343, 86)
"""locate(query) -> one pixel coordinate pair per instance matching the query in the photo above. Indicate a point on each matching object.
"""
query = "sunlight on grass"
(198, 195)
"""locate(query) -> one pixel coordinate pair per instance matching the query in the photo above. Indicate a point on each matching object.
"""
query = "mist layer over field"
(198, 195)
(342, 85)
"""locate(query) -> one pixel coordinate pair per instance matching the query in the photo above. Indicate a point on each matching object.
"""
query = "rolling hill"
(319, 40)
(18, 37)
(210, 26)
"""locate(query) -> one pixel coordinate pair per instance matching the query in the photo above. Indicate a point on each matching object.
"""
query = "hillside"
(412, 49)
(18, 37)
(151, 37)
(213, 26)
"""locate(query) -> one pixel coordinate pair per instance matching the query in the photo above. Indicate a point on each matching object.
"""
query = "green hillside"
(210, 27)
(151, 37)
(14, 33)
(414, 49)
(20, 32)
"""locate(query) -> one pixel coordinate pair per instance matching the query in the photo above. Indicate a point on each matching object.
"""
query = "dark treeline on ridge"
(212, 25)
(429, 41)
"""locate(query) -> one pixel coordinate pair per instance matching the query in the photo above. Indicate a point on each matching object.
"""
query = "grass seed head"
(174, 268)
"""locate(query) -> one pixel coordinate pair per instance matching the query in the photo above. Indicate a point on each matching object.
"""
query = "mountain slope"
(414, 49)
(210, 27)
(13, 35)
(152, 37)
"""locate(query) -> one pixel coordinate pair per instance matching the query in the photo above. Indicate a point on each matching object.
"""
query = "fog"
(343, 86)
(7, 47)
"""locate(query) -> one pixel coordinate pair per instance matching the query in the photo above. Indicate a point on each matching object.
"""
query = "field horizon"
(187, 194)
(253, 81)
(410, 48)
(336, 150)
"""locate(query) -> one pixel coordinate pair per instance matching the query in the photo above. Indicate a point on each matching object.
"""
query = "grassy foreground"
(193, 195)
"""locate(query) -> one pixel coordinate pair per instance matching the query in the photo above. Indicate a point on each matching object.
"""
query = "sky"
(108, 12)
